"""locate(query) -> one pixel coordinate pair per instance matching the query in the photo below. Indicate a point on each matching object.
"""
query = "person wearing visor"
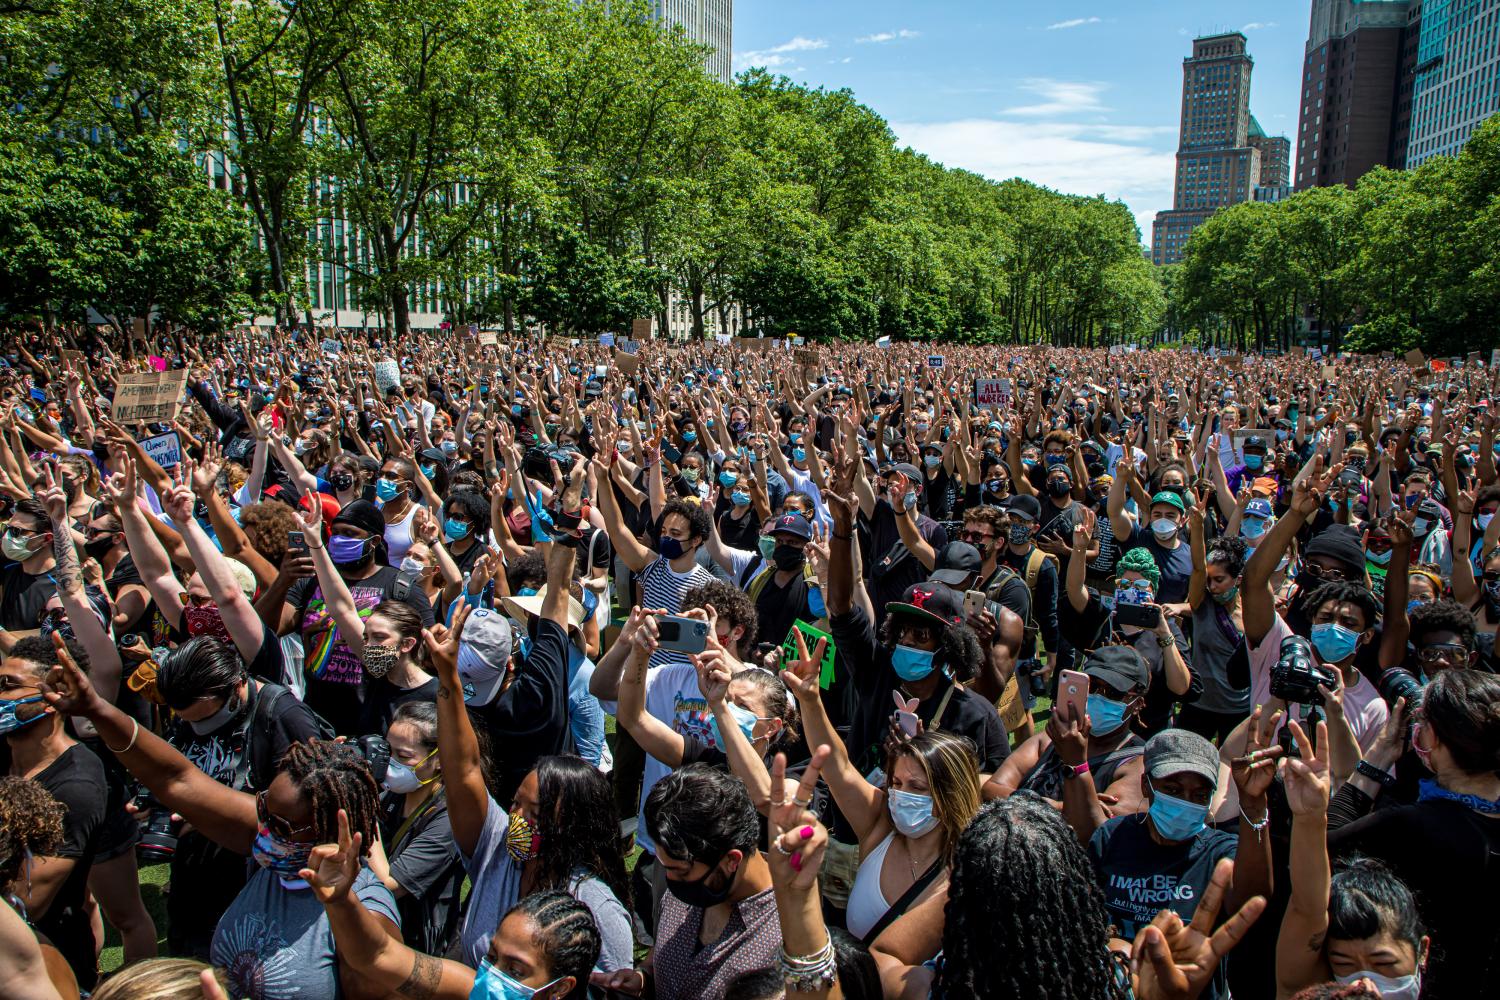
(1111, 758)
(1164, 857)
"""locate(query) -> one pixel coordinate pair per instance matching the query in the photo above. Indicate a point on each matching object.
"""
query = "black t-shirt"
(382, 698)
(244, 754)
(335, 673)
(424, 862)
(126, 575)
(777, 608)
(530, 720)
(23, 597)
(741, 534)
(1095, 627)
(76, 779)
(1176, 565)
(889, 565)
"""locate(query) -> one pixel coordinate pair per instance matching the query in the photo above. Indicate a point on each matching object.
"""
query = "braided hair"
(1025, 916)
(566, 933)
(334, 776)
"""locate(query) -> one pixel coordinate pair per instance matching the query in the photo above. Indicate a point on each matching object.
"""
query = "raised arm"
(633, 552)
(104, 655)
(1299, 947)
(654, 736)
(458, 747)
(240, 619)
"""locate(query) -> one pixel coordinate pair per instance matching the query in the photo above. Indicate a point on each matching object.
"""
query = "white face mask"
(1405, 988)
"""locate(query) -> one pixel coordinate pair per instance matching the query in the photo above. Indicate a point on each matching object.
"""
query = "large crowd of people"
(535, 667)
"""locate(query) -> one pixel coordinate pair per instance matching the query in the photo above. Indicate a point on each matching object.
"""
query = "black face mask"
(697, 893)
(98, 548)
(1059, 487)
(341, 481)
(788, 557)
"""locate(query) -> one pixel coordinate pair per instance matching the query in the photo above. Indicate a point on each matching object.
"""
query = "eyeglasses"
(908, 635)
(1325, 572)
(196, 600)
(276, 824)
(1452, 652)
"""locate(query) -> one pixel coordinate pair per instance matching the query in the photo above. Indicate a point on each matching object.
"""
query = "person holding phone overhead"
(1134, 618)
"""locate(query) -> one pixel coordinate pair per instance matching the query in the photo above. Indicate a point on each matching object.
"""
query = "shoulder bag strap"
(908, 897)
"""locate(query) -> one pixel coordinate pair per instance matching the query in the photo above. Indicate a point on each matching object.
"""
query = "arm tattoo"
(422, 984)
(68, 571)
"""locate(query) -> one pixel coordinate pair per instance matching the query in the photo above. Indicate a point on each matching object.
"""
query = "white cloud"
(1060, 97)
(1115, 161)
(1259, 26)
(776, 56)
(887, 36)
(1076, 22)
(841, 62)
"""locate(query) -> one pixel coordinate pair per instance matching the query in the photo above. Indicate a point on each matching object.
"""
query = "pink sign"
(157, 364)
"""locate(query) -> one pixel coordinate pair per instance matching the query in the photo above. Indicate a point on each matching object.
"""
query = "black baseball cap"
(956, 563)
(1025, 506)
(1121, 667)
(936, 603)
(792, 523)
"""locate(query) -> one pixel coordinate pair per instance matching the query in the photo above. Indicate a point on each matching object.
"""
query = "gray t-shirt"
(495, 886)
(1214, 656)
(274, 943)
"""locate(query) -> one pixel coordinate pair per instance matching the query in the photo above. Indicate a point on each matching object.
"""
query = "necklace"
(911, 860)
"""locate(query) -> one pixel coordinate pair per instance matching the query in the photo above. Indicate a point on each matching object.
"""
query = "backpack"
(262, 727)
(1004, 574)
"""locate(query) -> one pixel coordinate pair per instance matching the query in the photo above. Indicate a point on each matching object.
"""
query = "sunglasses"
(276, 824)
(1452, 652)
(196, 600)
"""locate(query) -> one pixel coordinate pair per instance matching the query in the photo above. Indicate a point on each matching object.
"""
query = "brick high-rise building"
(1217, 164)
(1355, 75)
(1457, 82)
(707, 22)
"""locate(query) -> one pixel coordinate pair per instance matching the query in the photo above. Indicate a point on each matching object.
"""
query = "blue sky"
(1079, 95)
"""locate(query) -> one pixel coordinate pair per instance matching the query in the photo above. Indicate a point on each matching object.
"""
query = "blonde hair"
(952, 770)
(157, 979)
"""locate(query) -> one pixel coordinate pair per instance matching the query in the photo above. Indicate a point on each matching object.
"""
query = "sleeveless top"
(867, 904)
(398, 537)
(1046, 778)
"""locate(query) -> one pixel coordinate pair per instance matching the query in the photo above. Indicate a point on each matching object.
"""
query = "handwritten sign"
(331, 346)
(165, 449)
(627, 362)
(1416, 359)
(810, 635)
(489, 338)
(150, 396)
(992, 392)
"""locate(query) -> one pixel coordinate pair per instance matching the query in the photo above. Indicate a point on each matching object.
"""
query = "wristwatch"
(1075, 770)
(1383, 778)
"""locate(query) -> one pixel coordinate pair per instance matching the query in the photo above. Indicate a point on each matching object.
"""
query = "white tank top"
(398, 537)
(867, 904)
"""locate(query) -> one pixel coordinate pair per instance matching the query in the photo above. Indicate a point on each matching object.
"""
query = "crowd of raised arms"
(536, 668)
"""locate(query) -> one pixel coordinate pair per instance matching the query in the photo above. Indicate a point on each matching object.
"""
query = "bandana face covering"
(205, 621)
(283, 857)
(522, 842)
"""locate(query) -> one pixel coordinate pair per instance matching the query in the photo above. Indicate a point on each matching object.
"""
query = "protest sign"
(629, 346)
(489, 338)
(1316, 353)
(331, 346)
(387, 374)
(640, 329)
(934, 361)
(629, 363)
(1495, 358)
(1328, 372)
(1415, 358)
(148, 396)
(810, 635)
(165, 449)
(992, 392)
(606, 340)
(1438, 365)
(722, 339)
(473, 329)
(807, 358)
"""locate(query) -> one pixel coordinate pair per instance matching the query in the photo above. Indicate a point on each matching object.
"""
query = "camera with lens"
(1396, 684)
(1296, 677)
(1033, 671)
(377, 754)
(158, 831)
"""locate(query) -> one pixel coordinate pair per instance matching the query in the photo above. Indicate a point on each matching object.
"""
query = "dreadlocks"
(1025, 916)
(566, 933)
(335, 776)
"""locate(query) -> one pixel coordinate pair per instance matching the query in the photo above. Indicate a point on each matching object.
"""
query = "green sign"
(810, 635)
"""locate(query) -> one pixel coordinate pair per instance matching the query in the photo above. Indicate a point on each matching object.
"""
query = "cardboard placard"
(150, 396)
(992, 392)
(629, 363)
(810, 636)
(1328, 372)
(883, 342)
(807, 358)
(473, 329)
(640, 329)
(1415, 358)
(165, 449)
(489, 338)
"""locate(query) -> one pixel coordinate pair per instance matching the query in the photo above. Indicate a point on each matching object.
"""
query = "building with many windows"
(1218, 162)
(707, 22)
(1457, 77)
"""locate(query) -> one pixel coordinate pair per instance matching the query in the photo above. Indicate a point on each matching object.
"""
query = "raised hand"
(332, 868)
(797, 840)
(442, 644)
(206, 473)
(67, 687)
(1175, 961)
(1307, 778)
(178, 503)
(311, 516)
(713, 675)
(803, 675)
(1256, 769)
(53, 497)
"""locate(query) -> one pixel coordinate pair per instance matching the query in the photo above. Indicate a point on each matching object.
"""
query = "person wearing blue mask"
(466, 527)
(1255, 451)
(1111, 758)
(1164, 857)
(394, 492)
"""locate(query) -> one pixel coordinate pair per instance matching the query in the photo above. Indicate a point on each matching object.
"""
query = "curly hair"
(1139, 560)
(1025, 916)
(958, 647)
(1344, 592)
(1445, 616)
(267, 526)
(38, 653)
(474, 506)
(697, 517)
(731, 604)
(986, 514)
(1229, 552)
(577, 826)
(335, 776)
(566, 933)
(31, 823)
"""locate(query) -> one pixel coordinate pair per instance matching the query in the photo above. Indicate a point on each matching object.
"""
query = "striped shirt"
(663, 587)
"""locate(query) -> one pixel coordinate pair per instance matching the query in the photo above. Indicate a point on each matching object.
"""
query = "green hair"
(1140, 560)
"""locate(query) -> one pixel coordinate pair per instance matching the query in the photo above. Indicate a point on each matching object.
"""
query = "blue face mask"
(932, 461)
(740, 498)
(1379, 558)
(492, 983)
(449, 447)
(1177, 819)
(284, 857)
(909, 499)
(9, 721)
(728, 479)
(911, 664)
(385, 489)
(1106, 715)
(799, 454)
(1334, 642)
(428, 470)
(911, 813)
(743, 717)
(689, 437)
(1253, 462)
(526, 592)
(346, 550)
(455, 530)
(1253, 527)
(1413, 605)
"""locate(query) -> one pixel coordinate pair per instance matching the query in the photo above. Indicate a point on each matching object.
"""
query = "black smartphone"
(1139, 615)
(295, 540)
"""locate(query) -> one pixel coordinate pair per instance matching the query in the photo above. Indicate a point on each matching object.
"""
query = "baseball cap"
(1169, 497)
(908, 470)
(1254, 441)
(1264, 485)
(1025, 506)
(530, 606)
(792, 523)
(1259, 507)
(484, 655)
(1121, 667)
(956, 563)
(935, 602)
(1178, 751)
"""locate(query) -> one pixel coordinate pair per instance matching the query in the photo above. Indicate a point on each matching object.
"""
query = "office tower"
(1457, 82)
(1275, 163)
(1217, 164)
(1356, 78)
(707, 22)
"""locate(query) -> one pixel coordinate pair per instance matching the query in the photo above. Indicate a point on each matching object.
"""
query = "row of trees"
(1401, 260)
(568, 163)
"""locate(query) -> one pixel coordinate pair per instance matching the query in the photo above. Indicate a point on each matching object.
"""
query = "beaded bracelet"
(809, 973)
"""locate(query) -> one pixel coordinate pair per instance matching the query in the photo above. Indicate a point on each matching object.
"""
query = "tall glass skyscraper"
(707, 22)
(1457, 76)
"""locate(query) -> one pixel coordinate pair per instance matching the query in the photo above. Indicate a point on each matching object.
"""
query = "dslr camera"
(158, 832)
(377, 754)
(1297, 675)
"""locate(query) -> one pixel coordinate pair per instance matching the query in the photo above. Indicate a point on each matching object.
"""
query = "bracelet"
(134, 732)
(809, 973)
(1075, 770)
(1166, 641)
(1383, 778)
